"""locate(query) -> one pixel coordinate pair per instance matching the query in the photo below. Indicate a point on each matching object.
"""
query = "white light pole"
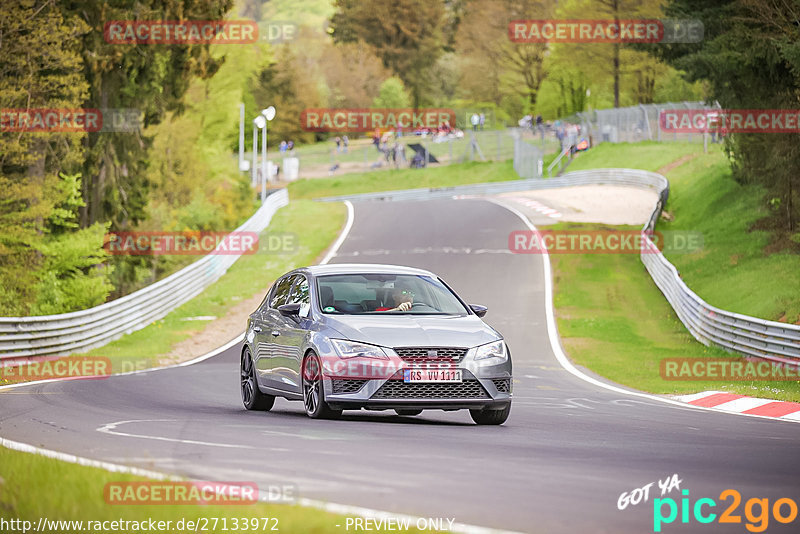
(261, 122)
(255, 151)
(241, 137)
(266, 115)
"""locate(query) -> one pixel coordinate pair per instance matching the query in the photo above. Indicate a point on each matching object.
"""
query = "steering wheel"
(415, 304)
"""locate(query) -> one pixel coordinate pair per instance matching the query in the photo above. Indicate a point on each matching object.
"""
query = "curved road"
(559, 464)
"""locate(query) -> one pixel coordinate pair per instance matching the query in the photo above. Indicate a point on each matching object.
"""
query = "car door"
(292, 331)
(265, 328)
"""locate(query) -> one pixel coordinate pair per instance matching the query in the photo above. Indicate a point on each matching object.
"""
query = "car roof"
(360, 268)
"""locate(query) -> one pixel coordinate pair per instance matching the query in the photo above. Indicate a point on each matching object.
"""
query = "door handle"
(275, 333)
(256, 329)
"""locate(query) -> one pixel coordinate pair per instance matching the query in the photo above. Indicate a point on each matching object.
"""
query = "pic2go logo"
(756, 511)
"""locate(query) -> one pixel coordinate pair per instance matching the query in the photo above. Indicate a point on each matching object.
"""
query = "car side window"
(264, 306)
(300, 292)
(301, 295)
(281, 293)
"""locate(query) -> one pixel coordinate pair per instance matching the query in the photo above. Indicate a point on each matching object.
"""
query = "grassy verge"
(734, 270)
(612, 318)
(647, 155)
(368, 182)
(314, 226)
(27, 493)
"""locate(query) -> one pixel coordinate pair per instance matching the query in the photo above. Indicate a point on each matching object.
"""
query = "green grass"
(732, 271)
(613, 319)
(647, 155)
(445, 176)
(315, 225)
(27, 492)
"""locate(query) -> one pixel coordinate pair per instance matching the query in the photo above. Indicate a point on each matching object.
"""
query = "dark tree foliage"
(149, 77)
(750, 56)
(408, 35)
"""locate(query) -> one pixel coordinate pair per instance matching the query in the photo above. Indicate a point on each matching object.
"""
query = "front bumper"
(474, 392)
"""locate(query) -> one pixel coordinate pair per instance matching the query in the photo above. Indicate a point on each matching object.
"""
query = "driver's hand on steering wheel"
(404, 306)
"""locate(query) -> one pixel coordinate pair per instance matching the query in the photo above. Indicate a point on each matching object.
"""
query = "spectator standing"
(482, 120)
(376, 139)
(474, 120)
(283, 147)
(345, 143)
(572, 138)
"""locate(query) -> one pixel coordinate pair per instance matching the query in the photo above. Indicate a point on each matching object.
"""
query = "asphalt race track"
(559, 464)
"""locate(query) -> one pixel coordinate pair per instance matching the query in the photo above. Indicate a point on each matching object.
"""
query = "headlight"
(356, 349)
(492, 353)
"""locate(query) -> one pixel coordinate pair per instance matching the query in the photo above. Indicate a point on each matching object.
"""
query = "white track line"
(342, 236)
(555, 342)
(112, 429)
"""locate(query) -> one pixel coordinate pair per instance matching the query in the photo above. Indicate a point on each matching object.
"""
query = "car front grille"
(425, 354)
(346, 385)
(397, 389)
(503, 385)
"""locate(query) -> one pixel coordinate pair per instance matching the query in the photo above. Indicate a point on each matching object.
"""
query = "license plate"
(431, 375)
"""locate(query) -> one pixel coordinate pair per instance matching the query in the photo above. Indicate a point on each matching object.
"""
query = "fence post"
(658, 123)
(646, 122)
(690, 131)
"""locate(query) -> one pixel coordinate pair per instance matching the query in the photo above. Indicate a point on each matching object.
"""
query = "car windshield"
(386, 294)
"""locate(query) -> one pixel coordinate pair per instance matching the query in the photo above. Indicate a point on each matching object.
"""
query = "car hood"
(415, 330)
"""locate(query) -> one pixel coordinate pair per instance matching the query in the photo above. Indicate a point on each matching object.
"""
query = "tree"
(614, 60)
(282, 83)
(149, 77)
(406, 34)
(40, 250)
(750, 58)
(353, 74)
(392, 95)
(494, 66)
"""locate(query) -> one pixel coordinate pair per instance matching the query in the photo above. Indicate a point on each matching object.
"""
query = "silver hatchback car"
(377, 337)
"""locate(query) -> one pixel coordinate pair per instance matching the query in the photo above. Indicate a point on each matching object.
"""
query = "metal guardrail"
(56, 335)
(493, 188)
(733, 332)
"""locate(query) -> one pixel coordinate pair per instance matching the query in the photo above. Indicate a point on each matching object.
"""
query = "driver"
(403, 299)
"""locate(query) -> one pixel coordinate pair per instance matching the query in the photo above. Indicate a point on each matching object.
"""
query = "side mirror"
(479, 310)
(289, 310)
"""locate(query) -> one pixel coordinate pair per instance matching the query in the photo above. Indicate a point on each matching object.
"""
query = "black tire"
(408, 412)
(252, 398)
(490, 417)
(314, 390)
